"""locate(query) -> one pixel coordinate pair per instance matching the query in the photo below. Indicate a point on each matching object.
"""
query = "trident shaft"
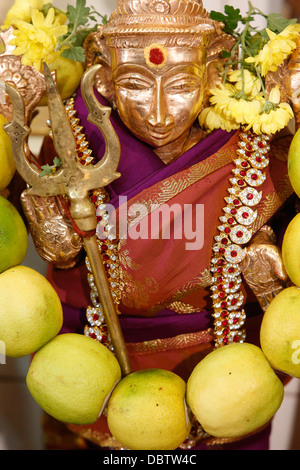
(74, 180)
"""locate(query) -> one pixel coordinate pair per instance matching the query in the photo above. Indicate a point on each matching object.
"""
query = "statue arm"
(263, 268)
(52, 232)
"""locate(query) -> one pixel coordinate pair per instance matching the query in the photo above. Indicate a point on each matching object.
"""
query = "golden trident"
(74, 180)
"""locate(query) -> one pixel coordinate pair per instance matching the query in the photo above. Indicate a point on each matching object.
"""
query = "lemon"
(13, 236)
(291, 250)
(68, 76)
(7, 163)
(72, 376)
(294, 163)
(280, 332)
(233, 391)
(147, 410)
(30, 311)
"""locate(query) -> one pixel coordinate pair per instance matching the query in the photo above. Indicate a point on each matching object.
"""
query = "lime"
(291, 250)
(30, 311)
(233, 391)
(280, 332)
(147, 411)
(72, 376)
(7, 163)
(13, 236)
(68, 76)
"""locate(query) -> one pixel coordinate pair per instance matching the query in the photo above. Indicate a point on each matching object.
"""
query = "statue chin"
(167, 149)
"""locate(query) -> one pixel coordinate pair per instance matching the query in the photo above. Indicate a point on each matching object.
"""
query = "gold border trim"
(183, 341)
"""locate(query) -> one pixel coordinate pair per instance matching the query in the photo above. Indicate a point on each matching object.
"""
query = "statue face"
(158, 94)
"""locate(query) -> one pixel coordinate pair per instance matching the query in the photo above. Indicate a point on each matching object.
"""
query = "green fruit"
(7, 163)
(30, 311)
(280, 332)
(294, 163)
(233, 391)
(71, 378)
(13, 236)
(68, 76)
(147, 411)
(291, 250)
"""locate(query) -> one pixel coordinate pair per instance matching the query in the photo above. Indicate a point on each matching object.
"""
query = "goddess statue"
(177, 297)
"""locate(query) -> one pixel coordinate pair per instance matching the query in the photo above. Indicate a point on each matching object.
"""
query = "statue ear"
(97, 52)
(215, 62)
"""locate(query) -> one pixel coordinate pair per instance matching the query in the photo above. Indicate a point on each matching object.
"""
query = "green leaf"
(74, 53)
(47, 170)
(233, 13)
(57, 161)
(104, 19)
(78, 15)
(276, 23)
(217, 16)
(225, 54)
(231, 18)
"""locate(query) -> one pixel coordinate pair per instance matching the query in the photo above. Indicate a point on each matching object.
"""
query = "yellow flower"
(226, 101)
(22, 9)
(245, 81)
(211, 119)
(279, 47)
(36, 42)
(273, 119)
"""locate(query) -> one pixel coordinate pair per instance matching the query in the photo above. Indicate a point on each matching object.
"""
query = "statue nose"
(159, 119)
(159, 116)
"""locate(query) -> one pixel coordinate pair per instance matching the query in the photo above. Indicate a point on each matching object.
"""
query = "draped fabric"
(166, 306)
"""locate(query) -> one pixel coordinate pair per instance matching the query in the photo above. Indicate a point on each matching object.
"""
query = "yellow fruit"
(72, 376)
(30, 311)
(147, 411)
(68, 76)
(234, 391)
(280, 332)
(13, 236)
(7, 163)
(294, 163)
(291, 250)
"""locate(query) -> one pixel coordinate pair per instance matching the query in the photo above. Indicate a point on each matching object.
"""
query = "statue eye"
(133, 84)
(183, 86)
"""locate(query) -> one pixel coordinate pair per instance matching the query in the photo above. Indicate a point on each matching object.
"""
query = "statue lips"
(159, 132)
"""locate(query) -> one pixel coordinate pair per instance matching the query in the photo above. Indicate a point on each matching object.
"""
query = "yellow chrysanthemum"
(226, 102)
(245, 81)
(211, 119)
(36, 42)
(275, 119)
(22, 9)
(279, 47)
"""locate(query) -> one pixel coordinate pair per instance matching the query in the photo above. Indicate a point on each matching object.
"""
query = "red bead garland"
(234, 233)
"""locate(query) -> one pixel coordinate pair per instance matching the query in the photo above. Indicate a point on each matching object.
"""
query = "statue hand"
(52, 232)
(263, 268)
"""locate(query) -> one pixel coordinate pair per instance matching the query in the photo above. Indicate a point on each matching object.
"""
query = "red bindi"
(156, 56)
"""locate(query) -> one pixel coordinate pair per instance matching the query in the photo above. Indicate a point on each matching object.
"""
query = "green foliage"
(50, 169)
(79, 18)
(277, 23)
(249, 40)
(231, 18)
(247, 35)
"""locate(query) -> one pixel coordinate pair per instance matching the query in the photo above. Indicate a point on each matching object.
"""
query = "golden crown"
(165, 17)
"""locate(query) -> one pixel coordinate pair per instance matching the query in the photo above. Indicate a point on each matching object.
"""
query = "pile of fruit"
(232, 392)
